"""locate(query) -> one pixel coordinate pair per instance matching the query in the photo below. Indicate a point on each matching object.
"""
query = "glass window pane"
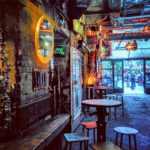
(107, 79)
(118, 82)
(107, 64)
(147, 66)
(147, 80)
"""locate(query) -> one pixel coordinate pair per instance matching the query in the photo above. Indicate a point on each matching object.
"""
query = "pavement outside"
(137, 115)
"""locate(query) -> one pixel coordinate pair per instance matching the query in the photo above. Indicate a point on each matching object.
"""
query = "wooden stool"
(126, 131)
(88, 126)
(76, 137)
(105, 146)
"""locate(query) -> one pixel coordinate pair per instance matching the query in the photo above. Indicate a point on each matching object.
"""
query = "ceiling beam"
(128, 37)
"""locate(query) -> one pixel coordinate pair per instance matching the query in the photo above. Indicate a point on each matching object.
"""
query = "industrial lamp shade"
(131, 46)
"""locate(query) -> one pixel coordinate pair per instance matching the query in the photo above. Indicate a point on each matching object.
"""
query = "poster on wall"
(76, 85)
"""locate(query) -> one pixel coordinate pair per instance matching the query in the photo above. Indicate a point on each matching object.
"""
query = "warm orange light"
(42, 59)
(90, 33)
(91, 80)
(131, 46)
(78, 37)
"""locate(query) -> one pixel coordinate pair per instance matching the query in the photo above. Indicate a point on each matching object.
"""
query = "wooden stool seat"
(76, 137)
(105, 146)
(89, 125)
(126, 131)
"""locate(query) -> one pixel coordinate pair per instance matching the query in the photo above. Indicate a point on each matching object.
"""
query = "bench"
(40, 138)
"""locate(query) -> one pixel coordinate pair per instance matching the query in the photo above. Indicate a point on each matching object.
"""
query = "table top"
(75, 137)
(126, 130)
(101, 103)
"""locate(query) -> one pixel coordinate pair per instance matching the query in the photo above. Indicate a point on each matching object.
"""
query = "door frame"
(146, 90)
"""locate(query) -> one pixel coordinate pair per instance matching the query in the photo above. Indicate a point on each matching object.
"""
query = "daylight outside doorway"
(133, 76)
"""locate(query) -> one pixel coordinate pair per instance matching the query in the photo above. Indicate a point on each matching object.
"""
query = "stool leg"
(129, 142)
(135, 142)
(94, 135)
(115, 113)
(121, 140)
(66, 145)
(85, 145)
(80, 145)
(70, 146)
(88, 132)
(116, 139)
(83, 129)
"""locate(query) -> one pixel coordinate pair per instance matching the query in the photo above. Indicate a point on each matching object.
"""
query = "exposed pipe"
(133, 17)
(128, 36)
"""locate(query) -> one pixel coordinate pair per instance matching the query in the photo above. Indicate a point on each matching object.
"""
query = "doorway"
(133, 73)
(127, 76)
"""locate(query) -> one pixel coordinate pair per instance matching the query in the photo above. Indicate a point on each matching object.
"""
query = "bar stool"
(126, 131)
(88, 126)
(76, 137)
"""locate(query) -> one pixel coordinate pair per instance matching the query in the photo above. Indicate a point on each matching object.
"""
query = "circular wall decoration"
(44, 40)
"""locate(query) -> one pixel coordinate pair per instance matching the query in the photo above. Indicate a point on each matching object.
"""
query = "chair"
(112, 97)
(126, 131)
(116, 96)
(76, 137)
(105, 146)
(88, 126)
(119, 96)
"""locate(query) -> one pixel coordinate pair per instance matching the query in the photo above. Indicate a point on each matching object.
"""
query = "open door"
(76, 86)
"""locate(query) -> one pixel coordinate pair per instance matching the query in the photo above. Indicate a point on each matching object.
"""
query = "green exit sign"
(59, 51)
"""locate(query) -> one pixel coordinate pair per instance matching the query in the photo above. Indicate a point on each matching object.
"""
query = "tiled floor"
(137, 115)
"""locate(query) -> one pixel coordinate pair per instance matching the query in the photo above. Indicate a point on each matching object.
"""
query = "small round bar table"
(101, 105)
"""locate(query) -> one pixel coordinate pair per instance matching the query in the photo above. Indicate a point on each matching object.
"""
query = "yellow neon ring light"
(42, 59)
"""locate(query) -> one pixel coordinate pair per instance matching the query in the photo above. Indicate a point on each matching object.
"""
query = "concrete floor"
(137, 115)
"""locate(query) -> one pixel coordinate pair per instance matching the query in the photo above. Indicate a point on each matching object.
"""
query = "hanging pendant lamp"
(131, 46)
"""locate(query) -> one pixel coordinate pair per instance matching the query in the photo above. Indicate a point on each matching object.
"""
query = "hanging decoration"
(92, 68)
(5, 105)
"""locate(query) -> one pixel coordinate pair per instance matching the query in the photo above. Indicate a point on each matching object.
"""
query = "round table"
(101, 105)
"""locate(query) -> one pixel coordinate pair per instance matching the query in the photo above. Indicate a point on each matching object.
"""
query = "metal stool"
(76, 137)
(126, 131)
(88, 126)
